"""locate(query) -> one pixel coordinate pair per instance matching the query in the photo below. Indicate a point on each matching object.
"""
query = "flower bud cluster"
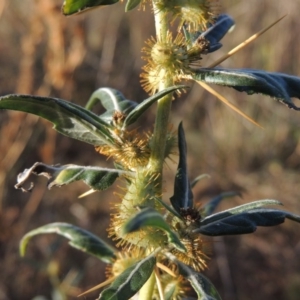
(196, 14)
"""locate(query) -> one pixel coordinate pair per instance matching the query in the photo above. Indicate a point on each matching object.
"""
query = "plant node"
(167, 60)
(131, 152)
(196, 247)
(141, 192)
(124, 261)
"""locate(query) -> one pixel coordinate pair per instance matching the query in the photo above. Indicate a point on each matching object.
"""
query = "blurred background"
(45, 53)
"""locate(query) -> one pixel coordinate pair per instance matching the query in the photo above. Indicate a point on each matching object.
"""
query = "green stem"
(164, 105)
(157, 157)
(160, 134)
(146, 292)
(161, 23)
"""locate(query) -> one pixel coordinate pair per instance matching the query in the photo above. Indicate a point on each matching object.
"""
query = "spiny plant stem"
(161, 23)
(160, 134)
(164, 105)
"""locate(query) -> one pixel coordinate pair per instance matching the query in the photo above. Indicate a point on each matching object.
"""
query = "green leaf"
(142, 107)
(276, 85)
(109, 98)
(76, 6)
(198, 178)
(130, 281)
(210, 207)
(168, 208)
(131, 4)
(246, 222)
(183, 196)
(203, 287)
(69, 119)
(150, 217)
(78, 238)
(113, 101)
(215, 32)
(97, 178)
(238, 209)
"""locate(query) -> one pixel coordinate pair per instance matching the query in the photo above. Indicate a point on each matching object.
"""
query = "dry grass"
(45, 53)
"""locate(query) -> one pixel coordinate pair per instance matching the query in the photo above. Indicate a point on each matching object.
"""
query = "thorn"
(87, 193)
(159, 285)
(98, 286)
(224, 100)
(166, 269)
(244, 44)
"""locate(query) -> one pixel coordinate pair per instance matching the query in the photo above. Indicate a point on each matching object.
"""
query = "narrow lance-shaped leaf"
(150, 217)
(276, 85)
(113, 101)
(168, 207)
(69, 119)
(246, 222)
(198, 178)
(210, 207)
(130, 281)
(213, 34)
(183, 196)
(203, 287)
(76, 6)
(131, 4)
(238, 209)
(217, 31)
(134, 115)
(78, 238)
(97, 178)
